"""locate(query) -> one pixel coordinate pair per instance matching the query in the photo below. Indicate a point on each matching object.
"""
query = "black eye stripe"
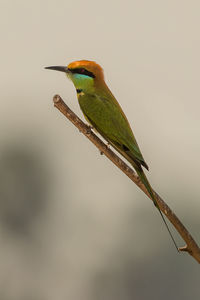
(82, 71)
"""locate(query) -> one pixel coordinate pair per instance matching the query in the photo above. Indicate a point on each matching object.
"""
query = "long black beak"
(58, 68)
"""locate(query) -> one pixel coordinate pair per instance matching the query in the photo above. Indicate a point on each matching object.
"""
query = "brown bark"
(191, 246)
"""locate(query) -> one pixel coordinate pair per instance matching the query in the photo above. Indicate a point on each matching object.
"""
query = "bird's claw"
(108, 146)
(89, 129)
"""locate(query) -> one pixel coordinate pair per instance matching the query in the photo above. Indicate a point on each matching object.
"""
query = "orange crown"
(91, 66)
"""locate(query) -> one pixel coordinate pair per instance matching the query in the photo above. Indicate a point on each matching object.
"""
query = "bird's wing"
(107, 117)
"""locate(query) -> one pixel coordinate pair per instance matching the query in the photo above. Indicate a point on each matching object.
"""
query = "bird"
(103, 112)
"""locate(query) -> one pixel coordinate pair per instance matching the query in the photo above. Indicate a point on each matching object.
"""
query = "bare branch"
(191, 246)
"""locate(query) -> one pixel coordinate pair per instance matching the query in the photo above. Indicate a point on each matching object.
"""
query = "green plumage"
(106, 116)
(104, 113)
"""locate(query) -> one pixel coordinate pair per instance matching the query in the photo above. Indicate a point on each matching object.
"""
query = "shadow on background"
(23, 190)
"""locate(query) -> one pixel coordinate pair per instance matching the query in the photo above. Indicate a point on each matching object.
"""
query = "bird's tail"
(146, 183)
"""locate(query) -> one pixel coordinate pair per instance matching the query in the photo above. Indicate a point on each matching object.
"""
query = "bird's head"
(85, 74)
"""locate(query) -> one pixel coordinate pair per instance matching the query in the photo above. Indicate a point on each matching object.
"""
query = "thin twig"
(191, 246)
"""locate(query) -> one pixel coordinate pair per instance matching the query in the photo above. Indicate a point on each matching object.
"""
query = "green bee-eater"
(104, 113)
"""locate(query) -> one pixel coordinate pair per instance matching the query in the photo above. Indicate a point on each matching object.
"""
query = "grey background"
(72, 226)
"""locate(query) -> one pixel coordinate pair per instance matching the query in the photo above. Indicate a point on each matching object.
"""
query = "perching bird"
(104, 113)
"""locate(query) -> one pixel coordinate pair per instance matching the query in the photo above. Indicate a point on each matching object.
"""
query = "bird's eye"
(82, 71)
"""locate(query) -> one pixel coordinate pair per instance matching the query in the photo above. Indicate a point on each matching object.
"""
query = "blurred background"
(72, 226)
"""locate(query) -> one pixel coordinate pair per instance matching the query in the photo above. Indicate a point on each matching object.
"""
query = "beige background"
(72, 226)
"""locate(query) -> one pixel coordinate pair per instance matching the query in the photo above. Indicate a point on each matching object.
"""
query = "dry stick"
(191, 246)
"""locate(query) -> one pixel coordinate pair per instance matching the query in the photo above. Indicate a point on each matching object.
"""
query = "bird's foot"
(89, 129)
(108, 146)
